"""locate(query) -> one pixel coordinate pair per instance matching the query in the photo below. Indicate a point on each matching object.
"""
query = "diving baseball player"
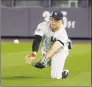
(55, 45)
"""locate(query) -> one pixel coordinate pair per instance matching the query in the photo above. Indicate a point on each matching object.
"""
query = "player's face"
(55, 24)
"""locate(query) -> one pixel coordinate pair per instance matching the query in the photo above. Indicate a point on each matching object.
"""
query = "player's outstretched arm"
(35, 48)
(44, 61)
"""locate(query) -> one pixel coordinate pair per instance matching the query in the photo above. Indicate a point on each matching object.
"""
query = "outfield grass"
(15, 72)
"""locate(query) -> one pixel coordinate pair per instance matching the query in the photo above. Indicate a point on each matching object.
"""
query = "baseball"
(16, 41)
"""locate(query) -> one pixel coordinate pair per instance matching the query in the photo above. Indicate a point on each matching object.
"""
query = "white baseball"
(16, 41)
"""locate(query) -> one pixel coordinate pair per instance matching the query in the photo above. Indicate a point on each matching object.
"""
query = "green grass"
(15, 72)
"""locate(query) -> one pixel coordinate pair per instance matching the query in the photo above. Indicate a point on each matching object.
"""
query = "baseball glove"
(39, 65)
(42, 63)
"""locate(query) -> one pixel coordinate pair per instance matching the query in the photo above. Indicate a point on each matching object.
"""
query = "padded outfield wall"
(22, 22)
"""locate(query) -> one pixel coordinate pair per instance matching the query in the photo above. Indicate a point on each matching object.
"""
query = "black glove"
(42, 63)
(38, 65)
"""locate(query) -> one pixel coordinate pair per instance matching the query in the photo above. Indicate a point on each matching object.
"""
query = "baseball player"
(55, 45)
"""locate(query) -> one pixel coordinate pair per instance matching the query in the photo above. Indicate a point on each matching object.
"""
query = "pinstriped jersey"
(49, 37)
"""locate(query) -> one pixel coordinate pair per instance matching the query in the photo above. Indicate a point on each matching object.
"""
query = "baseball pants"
(57, 63)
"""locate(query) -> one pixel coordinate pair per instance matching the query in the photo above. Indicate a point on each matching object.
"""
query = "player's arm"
(55, 47)
(36, 44)
(44, 61)
(35, 48)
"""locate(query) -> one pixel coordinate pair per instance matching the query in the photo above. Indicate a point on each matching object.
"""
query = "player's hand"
(30, 57)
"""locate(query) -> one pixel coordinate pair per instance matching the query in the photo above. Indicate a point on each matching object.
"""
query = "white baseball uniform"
(58, 59)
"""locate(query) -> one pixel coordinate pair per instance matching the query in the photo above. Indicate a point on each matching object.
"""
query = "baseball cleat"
(65, 73)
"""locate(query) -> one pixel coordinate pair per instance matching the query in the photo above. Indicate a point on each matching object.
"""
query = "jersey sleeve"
(39, 30)
(62, 38)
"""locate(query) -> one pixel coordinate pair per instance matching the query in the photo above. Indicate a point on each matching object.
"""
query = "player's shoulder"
(62, 29)
(43, 24)
(61, 32)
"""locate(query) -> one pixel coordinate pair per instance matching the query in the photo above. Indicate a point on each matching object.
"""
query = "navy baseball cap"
(57, 15)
